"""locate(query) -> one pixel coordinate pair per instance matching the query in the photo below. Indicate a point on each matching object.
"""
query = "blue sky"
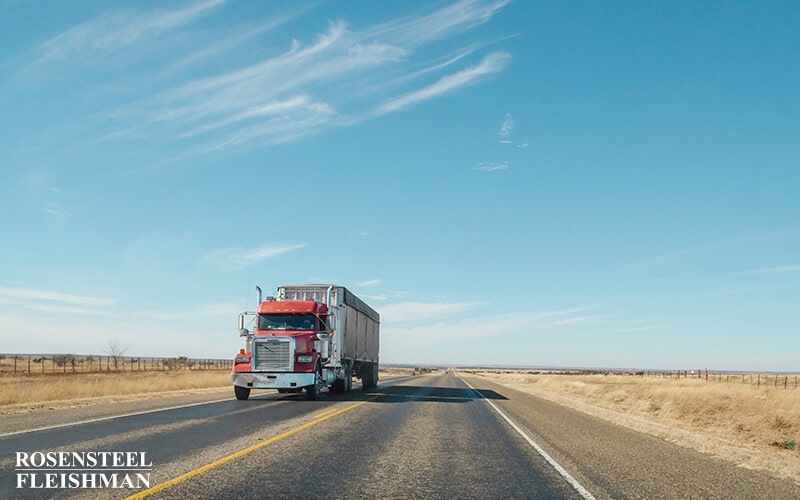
(592, 184)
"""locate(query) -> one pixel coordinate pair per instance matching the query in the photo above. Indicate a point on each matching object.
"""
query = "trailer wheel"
(242, 393)
(369, 375)
(348, 377)
(312, 391)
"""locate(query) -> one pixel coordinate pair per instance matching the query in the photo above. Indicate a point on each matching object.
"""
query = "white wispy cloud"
(639, 329)
(369, 283)
(414, 311)
(236, 38)
(446, 21)
(56, 210)
(238, 257)
(523, 145)
(192, 98)
(492, 63)
(47, 295)
(474, 327)
(580, 320)
(67, 309)
(506, 128)
(217, 310)
(110, 32)
(492, 166)
(769, 270)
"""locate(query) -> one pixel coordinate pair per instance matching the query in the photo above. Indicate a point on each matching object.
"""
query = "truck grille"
(272, 354)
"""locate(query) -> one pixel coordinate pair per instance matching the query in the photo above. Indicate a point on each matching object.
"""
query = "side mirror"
(329, 320)
(244, 332)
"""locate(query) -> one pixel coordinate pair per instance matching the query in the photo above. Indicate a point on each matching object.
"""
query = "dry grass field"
(758, 428)
(26, 392)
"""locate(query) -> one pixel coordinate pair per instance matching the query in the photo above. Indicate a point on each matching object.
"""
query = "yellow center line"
(324, 413)
(192, 473)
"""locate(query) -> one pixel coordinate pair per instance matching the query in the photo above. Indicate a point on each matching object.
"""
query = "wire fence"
(757, 380)
(91, 363)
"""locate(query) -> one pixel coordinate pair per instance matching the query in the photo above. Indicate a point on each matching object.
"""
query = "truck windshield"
(285, 321)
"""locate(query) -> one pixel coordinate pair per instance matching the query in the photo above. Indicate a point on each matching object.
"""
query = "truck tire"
(313, 390)
(366, 375)
(369, 376)
(344, 384)
(242, 393)
(348, 378)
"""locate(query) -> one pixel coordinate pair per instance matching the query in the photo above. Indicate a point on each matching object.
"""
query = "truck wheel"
(369, 376)
(242, 393)
(312, 391)
(373, 375)
(365, 375)
(348, 377)
(344, 384)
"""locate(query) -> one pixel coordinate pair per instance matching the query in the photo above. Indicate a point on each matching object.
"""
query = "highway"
(430, 436)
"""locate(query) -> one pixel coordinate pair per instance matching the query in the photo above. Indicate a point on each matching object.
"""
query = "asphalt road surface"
(411, 437)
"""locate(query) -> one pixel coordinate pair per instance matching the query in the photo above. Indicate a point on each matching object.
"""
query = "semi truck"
(307, 338)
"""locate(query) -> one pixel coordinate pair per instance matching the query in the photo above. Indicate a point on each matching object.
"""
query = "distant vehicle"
(309, 338)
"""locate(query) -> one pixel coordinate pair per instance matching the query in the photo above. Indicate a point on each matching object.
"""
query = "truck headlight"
(305, 359)
(242, 359)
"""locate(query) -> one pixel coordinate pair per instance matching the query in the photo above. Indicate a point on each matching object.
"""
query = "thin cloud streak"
(505, 129)
(769, 270)
(414, 311)
(490, 326)
(111, 32)
(369, 283)
(238, 257)
(492, 167)
(218, 310)
(46, 295)
(493, 63)
(447, 21)
(69, 310)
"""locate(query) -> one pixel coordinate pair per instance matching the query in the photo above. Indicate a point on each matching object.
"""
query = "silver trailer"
(354, 343)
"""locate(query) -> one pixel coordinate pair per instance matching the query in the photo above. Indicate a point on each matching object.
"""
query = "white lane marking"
(110, 417)
(566, 475)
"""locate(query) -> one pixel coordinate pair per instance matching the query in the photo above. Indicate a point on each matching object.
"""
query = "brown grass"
(25, 392)
(32, 391)
(756, 428)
